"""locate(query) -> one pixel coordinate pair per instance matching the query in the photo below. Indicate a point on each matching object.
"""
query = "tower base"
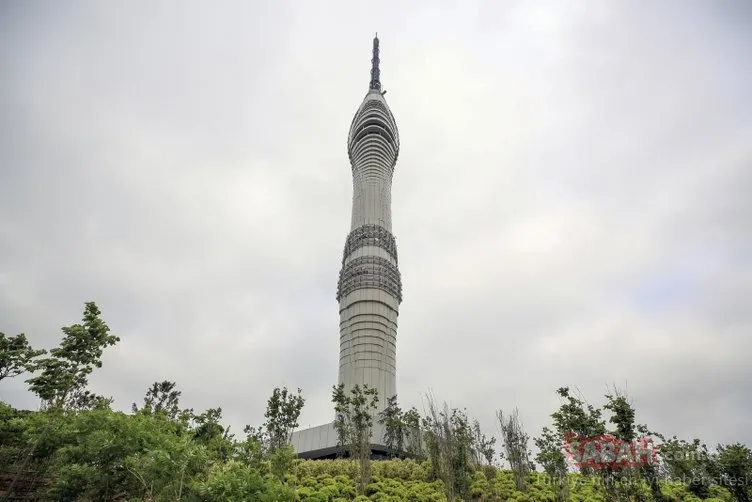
(320, 442)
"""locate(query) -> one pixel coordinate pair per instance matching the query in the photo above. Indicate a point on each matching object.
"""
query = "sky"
(571, 200)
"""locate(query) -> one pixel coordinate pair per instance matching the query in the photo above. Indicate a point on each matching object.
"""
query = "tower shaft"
(370, 289)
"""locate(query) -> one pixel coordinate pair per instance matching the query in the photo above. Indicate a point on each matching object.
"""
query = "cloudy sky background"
(571, 202)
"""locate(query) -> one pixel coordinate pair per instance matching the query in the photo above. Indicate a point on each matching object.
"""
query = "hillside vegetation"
(76, 447)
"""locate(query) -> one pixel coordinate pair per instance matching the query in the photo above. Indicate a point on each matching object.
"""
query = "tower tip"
(375, 72)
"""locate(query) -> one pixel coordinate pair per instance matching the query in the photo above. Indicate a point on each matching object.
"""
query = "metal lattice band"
(370, 235)
(370, 272)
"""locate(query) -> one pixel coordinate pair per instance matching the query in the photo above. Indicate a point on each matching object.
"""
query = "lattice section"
(370, 235)
(370, 272)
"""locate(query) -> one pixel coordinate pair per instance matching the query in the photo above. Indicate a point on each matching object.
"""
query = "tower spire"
(375, 73)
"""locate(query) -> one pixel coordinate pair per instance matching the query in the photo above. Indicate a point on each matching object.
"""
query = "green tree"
(282, 412)
(413, 434)
(161, 397)
(551, 458)
(70, 364)
(91, 460)
(354, 425)
(623, 418)
(391, 417)
(255, 447)
(16, 356)
(81, 400)
(692, 463)
(65, 374)
(733, 465)
(574, 418)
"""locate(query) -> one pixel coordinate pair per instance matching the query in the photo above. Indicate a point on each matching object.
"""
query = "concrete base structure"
(321, 442)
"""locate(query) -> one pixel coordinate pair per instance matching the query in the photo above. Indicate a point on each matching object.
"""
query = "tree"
(482, 446)
(514, 440)
(574, 419)
(394, 428)
(65, 374)
(577, 417)
(161, 397)
(449, 441)
(16, 356)
(413, 434)
(623, 417)
(551, 457)
(68, 368)
(81, 400)
(691, 463)
(207, 426)
(259, 437)
(253, 449)
(354, 425)
(733, 464)
(282, 413)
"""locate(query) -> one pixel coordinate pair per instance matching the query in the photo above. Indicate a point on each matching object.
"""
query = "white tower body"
(370, 290)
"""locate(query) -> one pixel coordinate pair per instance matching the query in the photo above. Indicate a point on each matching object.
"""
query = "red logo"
(606, 451)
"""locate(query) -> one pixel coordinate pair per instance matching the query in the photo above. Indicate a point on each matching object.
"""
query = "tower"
(370, 289)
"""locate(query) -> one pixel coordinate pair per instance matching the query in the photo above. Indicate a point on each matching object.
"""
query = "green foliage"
(282, 413)
(235, 481)
(394, 428)
(413, 435)
(733, 467)
(270, 443)
(551, 457)
(689, 462)
(109, 455)
(576, 418)
(80, 351)
(17, 356)
(161, 397)
(622, 480)
(354, 425)
(14, 433)
(78, 448)
(86, 400)
(449, 441)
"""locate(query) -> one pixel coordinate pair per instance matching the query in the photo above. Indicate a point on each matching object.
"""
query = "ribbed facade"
(370, 289)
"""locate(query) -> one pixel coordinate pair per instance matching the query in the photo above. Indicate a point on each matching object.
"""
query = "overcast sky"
(571, 201)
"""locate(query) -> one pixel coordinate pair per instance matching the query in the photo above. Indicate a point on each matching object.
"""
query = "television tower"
(370, 289)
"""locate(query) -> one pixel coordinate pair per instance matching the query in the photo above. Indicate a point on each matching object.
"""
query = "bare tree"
(482, 446)
(514, 440)
(448, 440)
